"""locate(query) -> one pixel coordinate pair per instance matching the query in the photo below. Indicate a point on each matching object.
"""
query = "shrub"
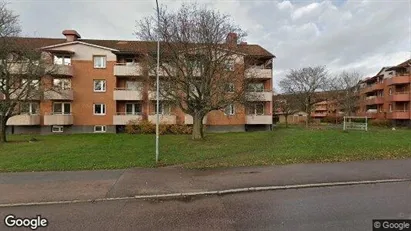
(332, 119)
(380, 123)
(146, 127)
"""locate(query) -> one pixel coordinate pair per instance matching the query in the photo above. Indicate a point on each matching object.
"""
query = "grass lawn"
(281, 146)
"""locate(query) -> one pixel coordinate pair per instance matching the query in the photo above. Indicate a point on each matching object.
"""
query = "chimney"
(71, 35)
(231, 39)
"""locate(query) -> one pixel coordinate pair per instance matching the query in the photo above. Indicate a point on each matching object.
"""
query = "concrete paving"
(333, 208)
(56, 186)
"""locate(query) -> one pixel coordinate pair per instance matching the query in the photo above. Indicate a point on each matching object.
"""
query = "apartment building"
(387, 94)
(101, 87)
(325, 108)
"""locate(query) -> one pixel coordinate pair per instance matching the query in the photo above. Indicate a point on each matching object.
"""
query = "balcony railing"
(399, 79)
(319, 115)
(60, 70)
(122, 118)
(188, 119)
(57, 94)
(400, 96)
(58, 119)
(127, 94)
(371, 100)
(24, 120)
(399, 114)
(166, 119)
(258, 73)
(374, 87)
(266, 95)
(152, 96)
(259, 119)
(123, 69)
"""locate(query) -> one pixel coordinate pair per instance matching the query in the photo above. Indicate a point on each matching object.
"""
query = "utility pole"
(158, 85)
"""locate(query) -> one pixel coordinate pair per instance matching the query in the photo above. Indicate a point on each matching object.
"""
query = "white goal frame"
(349, 125)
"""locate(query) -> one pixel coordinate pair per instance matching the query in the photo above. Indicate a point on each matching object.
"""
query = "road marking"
(205, 193)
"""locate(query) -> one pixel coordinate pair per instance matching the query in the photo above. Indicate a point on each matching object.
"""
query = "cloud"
(344, 35)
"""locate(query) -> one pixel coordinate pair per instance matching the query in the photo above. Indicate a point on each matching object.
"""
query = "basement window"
(100, 128)
(57, 129)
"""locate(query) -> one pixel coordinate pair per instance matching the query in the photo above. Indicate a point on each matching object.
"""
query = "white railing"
(122, 118)
(123, 69)
(127, 94)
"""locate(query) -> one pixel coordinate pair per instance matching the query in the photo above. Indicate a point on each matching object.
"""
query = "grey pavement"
(333, 208)
(56, 186)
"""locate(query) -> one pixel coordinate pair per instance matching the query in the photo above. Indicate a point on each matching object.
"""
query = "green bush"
(380, 123)
(332, 119)
(146, 127)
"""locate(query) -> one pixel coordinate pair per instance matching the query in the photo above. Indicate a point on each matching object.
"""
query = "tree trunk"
(3, 137)
(286, 121)
(197, 127)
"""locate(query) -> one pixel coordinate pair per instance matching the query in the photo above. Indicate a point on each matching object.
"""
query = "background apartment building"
(387, 94)
(101, 86)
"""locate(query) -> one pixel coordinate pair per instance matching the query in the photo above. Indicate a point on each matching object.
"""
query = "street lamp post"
(158, 84)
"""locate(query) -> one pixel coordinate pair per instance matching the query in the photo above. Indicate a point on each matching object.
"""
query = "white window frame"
(63, 112)
(254, 109)
(59, 129)
(31, 108)
(103, 128)
(164, 108)
(231, 109)
(62, 83)
(65, 60)
(103, 109)
(230, 88)
(230, 65)
(102, 83)
(104, 61)
(133, 106)
(252, 87)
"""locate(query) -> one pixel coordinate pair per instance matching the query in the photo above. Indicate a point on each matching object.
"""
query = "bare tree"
(345, 91)
(200, 64)
(21, 69)
(287, 105)
(304, 84)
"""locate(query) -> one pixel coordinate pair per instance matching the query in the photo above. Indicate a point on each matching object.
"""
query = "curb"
(207, 193)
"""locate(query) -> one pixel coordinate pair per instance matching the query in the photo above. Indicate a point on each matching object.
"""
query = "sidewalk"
(81, 185)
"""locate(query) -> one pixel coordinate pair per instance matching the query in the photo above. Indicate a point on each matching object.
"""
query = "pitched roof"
(132, 46)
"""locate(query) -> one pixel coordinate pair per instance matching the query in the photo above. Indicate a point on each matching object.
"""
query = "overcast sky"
(361, 34)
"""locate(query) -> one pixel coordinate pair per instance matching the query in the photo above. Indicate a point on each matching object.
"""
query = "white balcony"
(122, 118)
(258, 73)
(122, 69)
(165, 119)
(127, 94)
(58, 94)
(152, 96)
(188, 119)
(260, 96)
(259, 119)
(58, 119)
(24, 120)
(61, 70)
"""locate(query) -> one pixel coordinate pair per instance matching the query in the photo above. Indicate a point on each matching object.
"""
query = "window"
(230, 87)
(229, 110)
(390, 91)
(390, 108)
(230, 65)
(256, 87)
(164, 109)
(99, 85)
(62, 108)
(62, 60)
(62, 84)
(99, 109)
(34, 84)
(256, 109)
(57, 128)
(99, 61)
(29, 108)
(133, 109)
(100, 128)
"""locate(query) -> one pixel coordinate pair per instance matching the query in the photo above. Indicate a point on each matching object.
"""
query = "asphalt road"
(331, 208)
